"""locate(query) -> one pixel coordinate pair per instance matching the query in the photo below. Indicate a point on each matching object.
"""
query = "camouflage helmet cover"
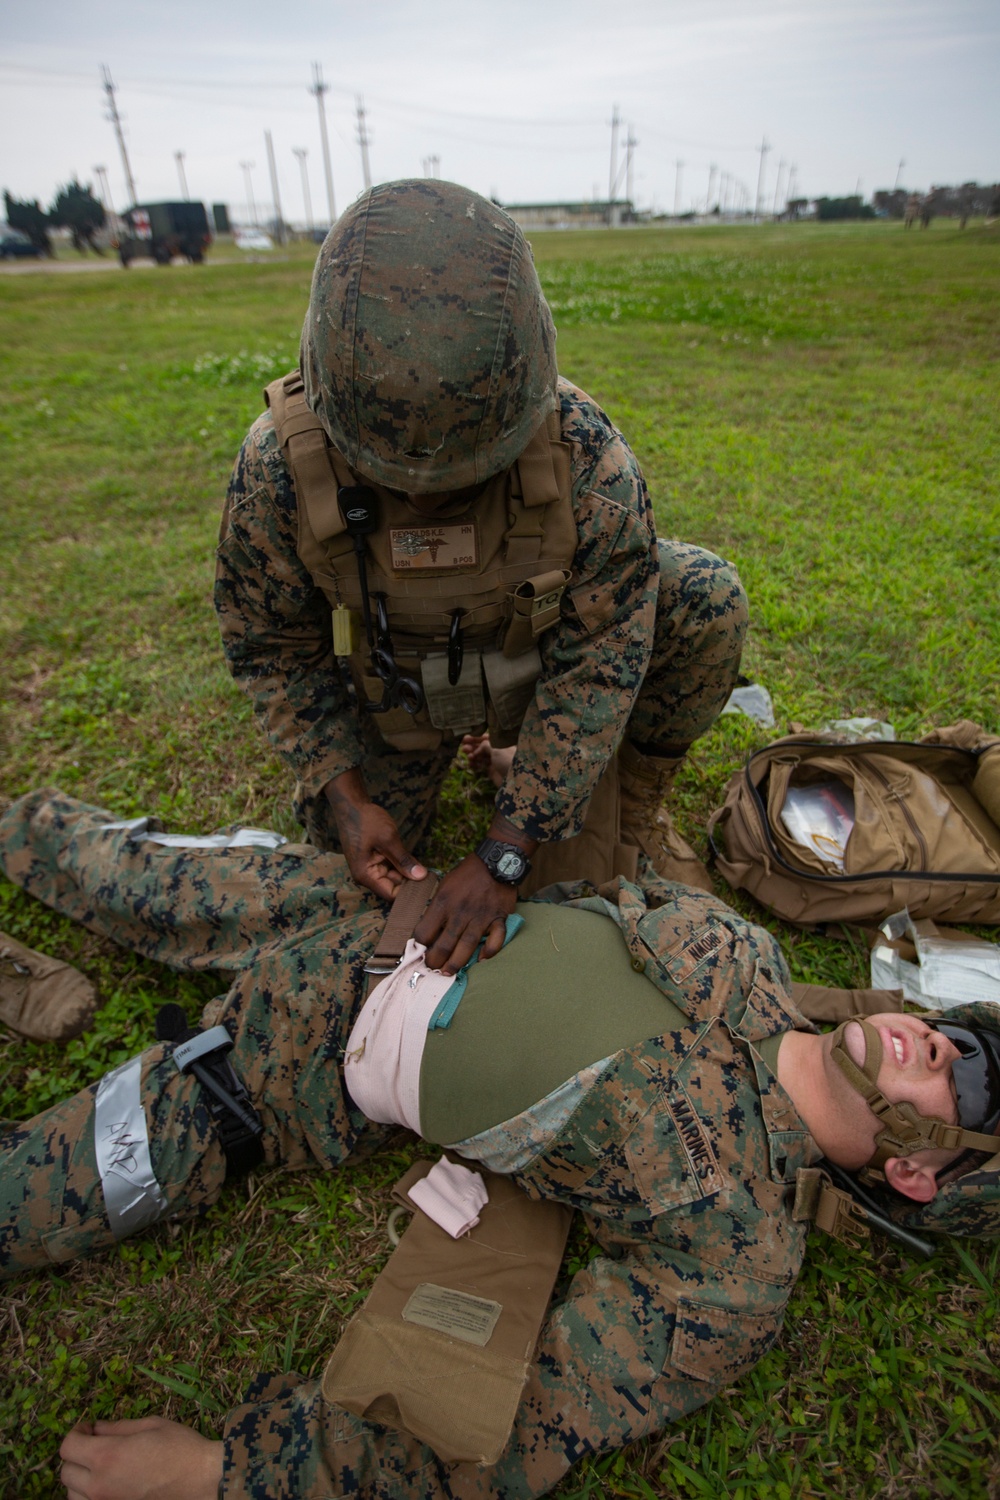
(428, 351)
(969, 1205)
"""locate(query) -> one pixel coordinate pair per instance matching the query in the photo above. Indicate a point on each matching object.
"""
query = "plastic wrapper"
(754, 701)
(948, 967)
(820, 818)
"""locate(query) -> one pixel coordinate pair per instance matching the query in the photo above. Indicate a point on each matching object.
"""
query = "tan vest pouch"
(442, 1347)
(596, 854)
(458, 708)
(535, 608)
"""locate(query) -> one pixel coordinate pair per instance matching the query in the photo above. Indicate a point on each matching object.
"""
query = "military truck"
(163, 230)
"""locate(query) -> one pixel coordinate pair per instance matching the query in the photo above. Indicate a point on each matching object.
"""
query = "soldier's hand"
(374, 851)
(151, 1459)
(469, 905)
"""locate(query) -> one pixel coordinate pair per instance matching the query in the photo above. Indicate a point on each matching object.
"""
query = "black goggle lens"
(976, 1072)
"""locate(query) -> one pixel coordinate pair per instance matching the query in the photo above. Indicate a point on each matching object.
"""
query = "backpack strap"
(821, 1002)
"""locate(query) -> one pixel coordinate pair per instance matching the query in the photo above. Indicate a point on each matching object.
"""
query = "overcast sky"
(514, 98)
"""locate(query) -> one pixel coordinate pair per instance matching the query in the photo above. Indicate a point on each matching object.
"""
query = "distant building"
(589, 215)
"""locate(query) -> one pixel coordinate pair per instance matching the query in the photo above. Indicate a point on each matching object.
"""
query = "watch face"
(510, 865)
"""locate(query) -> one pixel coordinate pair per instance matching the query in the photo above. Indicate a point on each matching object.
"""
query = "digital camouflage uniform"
(682, 1156)
(649, 636)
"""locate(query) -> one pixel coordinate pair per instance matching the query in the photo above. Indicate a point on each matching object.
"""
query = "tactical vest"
(503, 561)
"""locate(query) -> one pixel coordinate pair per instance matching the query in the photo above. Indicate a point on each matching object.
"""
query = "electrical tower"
(113, 116)
(431, 165)
(366, 170)
(279, 223)
(763, 148)
(677, 189)
(319, 88)
(179, 159)
(713, 169)
(302, 153)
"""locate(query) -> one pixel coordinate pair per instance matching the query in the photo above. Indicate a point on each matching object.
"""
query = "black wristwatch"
(505, 862)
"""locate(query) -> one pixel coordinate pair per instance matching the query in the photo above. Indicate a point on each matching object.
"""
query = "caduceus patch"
(447, 546)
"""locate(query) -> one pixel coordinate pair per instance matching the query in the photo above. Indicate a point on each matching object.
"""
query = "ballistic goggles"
(976, 1076)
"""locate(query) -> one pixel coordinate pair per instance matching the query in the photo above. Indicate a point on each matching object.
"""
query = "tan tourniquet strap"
(412, 900)
(454, 1379)
(821, 1002)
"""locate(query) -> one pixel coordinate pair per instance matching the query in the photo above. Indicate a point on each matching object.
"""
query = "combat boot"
(42, 998)
(645, 782)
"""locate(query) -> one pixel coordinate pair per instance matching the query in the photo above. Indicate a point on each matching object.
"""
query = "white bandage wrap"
(132, 1196)
(139, 832)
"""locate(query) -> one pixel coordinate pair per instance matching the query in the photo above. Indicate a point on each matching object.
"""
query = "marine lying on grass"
(686, 1122)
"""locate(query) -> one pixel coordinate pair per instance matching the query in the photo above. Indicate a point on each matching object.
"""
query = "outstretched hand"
(150, 1459)
(375, 853)
(469, 905)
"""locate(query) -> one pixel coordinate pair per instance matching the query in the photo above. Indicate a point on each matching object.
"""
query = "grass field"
(820, 404)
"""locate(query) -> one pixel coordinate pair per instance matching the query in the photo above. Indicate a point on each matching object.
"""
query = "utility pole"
(104, 189)
(248, 167)
(613, 173)
(366, 171)
(302, 153)
(319, 88)
(630, 145)
(279, 223)
(777, 188)
(792, 190)
(677, 189)
(179, 159)
(713, 169)
(113, 116)
(763, 148)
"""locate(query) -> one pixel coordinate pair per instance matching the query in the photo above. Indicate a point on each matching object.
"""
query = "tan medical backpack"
(925, 834)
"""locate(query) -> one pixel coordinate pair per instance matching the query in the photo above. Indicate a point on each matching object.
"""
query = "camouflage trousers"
(297, 937)
(701, 624)
(295, 932)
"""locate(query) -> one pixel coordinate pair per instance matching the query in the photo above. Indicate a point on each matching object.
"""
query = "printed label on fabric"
(471, 1319)
(697, 1146)
(418, 547)
(694, 952)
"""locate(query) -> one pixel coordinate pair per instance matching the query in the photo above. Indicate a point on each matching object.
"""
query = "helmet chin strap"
(904, 1130)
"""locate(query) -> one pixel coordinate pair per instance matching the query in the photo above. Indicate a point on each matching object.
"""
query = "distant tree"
(30, 219)
(76, 209)
(890, 203)
(844, 208)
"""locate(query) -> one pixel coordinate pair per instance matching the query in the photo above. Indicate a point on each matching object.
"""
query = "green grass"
(817, 403)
